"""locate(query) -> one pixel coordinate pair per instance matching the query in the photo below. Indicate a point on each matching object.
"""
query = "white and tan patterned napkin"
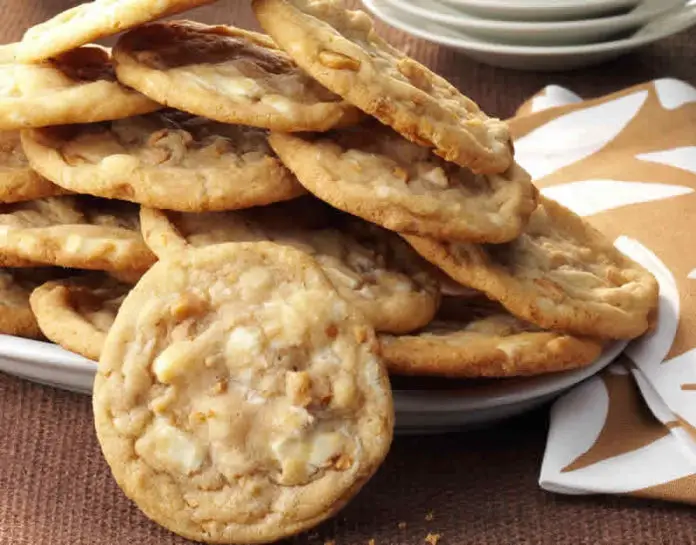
(627, 162)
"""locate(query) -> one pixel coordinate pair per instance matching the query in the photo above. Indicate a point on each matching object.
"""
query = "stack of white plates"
(538, 34)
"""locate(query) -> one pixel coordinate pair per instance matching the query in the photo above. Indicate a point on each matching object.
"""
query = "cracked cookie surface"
(372, 172)
(473, 337)
(560, 274)
(77, 313)
(167, 159)
(370, 267)
(73, 231)
(239, 398)
(340, 48)
(78, 86)
(227, 74)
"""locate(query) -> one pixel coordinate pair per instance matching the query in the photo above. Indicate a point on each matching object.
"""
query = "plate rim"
(470, 43)
(471, 21)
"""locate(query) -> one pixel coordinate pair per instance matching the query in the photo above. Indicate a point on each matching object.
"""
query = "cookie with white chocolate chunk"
(373, 172)
(74, 231)
(239, 398)
(227, 74)
(167, 159)
(340, 48)
(370, 267)
(560, 274)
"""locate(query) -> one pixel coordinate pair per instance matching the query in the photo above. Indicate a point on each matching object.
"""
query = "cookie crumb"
(430, 516)
(371, 542)
(433, 539)
(330, 542)
(401, 525)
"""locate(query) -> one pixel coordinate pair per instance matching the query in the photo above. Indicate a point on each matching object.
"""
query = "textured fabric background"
(471, 488)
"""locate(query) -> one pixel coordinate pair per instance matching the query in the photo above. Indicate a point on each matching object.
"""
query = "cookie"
(560, 274)
(91, 21)
(239, 398)
(227, 74)
(372, 172)
(18, 181)
(76, 87)
(166, 159)
(371, 268)
(16, 285)
(77, 313)
(73, 231)
(340, 48)
(482, 339)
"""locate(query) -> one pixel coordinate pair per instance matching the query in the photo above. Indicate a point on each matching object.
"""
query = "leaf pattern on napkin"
(633, 177)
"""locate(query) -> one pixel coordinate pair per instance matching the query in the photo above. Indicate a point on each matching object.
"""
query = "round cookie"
(340, 48)
(560, 274)
(16, 285)
(76, 87)
(370, 267)
(18, 181)
(372, 172)
(227, 74)
(479, 339)
(77, 313)
(73, 231)
(239, 398)
(166, 159)
(91, 21)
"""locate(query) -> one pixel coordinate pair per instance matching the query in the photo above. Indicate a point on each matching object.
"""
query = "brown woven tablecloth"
(476, 487)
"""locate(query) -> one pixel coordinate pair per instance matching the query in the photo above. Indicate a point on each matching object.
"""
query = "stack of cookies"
(250, 231)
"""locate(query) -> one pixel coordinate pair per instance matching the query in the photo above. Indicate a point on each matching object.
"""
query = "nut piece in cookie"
(77, 313)
(560, 274)
(91, 21)
(18, 181)
(16, 285)
(227, 74)
(73, 231)
(372, 172)
(76, 87)
(340, 48)
(239, 398)
(166, 159)
(371, 268)
(474, 337)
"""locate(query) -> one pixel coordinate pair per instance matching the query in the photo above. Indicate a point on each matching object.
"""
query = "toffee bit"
(433, 539)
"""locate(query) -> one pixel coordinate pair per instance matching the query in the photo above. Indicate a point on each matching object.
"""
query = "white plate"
(542, 10)
(418, 411)
(533, 57)
(537, 33)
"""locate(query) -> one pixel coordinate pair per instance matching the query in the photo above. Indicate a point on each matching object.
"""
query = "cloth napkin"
(627, 162)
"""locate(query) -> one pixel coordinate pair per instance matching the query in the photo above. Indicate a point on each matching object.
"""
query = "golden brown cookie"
(370, 267)
(340, 48)
(472, 338)
(91, 21)
(560, 274)
(73, 231)
(78, 312)
(239, 398)
(76, 87)
(16, 285)
(166, 159)
(18, 181)
(372, 172)
(227, 74)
